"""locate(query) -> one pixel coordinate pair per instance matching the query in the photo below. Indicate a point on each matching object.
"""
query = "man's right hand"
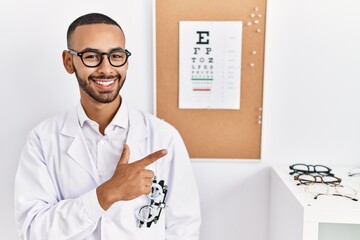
(130, 180)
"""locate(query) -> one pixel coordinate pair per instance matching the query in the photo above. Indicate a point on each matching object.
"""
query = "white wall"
(311, 97)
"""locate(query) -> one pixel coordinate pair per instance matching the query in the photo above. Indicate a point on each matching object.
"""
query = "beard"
(103, 96)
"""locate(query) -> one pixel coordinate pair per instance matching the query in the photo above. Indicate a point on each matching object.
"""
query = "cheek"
(123, 69)
(82, 73)
(122, 73)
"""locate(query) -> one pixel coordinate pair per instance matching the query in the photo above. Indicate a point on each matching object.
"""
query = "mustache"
(103, 76)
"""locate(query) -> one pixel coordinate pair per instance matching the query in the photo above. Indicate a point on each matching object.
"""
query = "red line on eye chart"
(201, 89)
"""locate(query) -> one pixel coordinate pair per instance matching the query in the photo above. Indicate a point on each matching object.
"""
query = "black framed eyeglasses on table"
(93, 58)
(301, 168)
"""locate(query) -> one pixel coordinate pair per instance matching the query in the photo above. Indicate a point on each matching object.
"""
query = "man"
(104, 170)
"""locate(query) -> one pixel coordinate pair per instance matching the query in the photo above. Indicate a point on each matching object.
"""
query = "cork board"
(223, 134)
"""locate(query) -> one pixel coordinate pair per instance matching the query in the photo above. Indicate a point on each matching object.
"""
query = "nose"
(105, 67)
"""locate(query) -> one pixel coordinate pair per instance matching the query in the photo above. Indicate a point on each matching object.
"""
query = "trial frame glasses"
(93, 58)
(150, 213)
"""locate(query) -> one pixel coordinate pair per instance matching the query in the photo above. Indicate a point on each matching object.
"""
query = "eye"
(117, 55)
(91, 56)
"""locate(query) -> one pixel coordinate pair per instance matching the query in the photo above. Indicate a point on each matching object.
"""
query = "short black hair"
(90, 18)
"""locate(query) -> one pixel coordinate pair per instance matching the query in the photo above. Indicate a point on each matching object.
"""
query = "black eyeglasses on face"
(305, 168)
(93, 58)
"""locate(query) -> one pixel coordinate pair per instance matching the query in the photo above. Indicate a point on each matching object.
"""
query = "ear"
(67, 61)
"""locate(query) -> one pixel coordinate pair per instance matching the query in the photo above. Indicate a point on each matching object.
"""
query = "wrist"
(104, 197)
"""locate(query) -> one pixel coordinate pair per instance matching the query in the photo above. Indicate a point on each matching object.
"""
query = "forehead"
(97, 36)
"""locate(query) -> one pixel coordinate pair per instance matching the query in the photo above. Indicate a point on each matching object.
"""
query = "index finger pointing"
(151, 158)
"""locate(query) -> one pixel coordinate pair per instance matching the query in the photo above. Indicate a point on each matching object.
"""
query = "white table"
(296, 215)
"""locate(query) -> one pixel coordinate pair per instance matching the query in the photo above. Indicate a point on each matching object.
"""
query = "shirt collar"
(120, 119)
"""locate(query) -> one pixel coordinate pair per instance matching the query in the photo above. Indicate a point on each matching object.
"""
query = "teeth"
(105, 83)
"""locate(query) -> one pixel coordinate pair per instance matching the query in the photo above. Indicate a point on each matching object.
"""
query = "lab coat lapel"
(77, 149)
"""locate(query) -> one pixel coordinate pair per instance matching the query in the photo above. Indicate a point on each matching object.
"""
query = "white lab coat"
(55, 185)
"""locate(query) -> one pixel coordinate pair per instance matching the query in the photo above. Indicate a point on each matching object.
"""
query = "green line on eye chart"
(202, 79)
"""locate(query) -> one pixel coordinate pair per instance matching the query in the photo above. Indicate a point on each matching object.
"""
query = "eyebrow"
(97, 50)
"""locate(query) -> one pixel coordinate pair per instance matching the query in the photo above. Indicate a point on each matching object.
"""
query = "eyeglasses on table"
(311, 178)
(339, 190)
(309, 169)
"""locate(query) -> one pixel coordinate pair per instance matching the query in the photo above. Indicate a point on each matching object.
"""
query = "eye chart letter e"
(210, 64)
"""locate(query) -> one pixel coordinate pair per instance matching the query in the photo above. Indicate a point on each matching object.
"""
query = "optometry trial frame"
(149, 214)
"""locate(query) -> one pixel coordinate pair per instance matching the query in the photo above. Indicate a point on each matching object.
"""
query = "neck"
(102, 113)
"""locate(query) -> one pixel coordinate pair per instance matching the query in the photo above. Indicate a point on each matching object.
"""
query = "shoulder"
(51, 125)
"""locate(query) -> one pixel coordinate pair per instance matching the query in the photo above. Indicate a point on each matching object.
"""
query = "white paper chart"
(210, 64)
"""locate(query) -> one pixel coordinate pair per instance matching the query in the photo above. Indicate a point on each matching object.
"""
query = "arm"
(39, 210)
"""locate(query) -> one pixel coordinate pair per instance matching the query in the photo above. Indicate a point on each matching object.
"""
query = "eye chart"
(210, 64)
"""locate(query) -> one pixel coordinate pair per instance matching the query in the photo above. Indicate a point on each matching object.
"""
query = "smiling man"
(104, 170)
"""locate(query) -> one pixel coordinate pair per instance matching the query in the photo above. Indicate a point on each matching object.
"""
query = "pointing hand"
(130, 180)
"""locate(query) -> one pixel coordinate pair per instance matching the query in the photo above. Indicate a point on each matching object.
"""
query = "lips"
(105, 83)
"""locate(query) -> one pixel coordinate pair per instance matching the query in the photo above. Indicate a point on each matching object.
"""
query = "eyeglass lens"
(146, 213)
